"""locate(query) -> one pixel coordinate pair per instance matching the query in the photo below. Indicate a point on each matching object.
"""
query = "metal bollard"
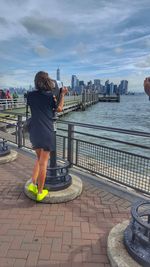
(57, 177)
(137, 233)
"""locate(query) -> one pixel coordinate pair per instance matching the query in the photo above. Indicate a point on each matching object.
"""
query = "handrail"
(99, 127)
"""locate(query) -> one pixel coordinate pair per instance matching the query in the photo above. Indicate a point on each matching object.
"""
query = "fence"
(83, 100)
(117, 154)
(9, 104)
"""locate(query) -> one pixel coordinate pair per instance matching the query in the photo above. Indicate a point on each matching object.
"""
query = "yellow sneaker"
(32, 188)
(42, 195)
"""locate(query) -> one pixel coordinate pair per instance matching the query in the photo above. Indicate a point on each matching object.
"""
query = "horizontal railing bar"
(62, 136)
(106, 138)
(110, 178)
(10, 119)
(113, 140)
(109, 139)
(98, 127)
(65, 130)
(110, 148)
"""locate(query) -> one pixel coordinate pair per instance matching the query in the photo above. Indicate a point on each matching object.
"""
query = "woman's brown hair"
(43, 81)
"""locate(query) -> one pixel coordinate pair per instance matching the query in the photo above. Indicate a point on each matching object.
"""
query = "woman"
(42, 104)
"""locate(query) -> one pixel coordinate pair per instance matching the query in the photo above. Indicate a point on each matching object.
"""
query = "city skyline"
(91, 39)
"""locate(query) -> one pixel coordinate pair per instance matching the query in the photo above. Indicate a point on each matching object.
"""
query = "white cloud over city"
(89, 38)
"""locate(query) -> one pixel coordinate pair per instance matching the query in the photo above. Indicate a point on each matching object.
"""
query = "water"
(132, 113)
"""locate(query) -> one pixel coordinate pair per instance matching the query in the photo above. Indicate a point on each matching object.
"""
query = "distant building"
(97, 83)
(77, 83)
(58, 75)
(89, 85)
(81, 83)
(111, 89)
(123, 87)
(74, 82)
(107, 88)
(115, 89)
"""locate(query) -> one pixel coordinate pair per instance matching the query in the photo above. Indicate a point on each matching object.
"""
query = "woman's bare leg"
(36, 166)
(43, 162)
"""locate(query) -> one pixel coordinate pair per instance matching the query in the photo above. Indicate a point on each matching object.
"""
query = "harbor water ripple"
(132, 113)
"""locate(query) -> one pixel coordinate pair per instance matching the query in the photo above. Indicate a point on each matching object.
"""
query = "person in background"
(15, 97)
(2, 97)
(8, 95)
(25, 97)
(42, 104)
(9, 99)
(3, 94)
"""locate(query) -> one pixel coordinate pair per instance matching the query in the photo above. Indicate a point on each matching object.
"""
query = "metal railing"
(119, 155)
(6, 104)
(84, 100)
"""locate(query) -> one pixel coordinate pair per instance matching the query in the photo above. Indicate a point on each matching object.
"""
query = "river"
(132, 113)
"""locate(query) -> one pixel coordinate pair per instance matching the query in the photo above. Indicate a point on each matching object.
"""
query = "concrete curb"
(116, 251)
(8, 158)
(70, 193)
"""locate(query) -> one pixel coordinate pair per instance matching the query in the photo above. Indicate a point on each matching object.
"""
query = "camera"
(57, 90)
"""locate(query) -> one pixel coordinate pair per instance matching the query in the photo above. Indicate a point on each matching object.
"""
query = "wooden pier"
(72, 103)
(109, 98)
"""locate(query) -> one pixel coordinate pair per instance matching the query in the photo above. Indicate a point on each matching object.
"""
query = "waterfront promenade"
(72, 234)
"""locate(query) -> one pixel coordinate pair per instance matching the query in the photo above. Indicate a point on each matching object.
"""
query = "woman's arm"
(61, 103)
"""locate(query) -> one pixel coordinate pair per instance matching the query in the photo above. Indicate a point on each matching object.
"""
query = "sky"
(93, 39)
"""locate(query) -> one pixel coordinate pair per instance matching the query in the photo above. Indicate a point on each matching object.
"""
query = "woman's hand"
(64, 90)
(61, 103)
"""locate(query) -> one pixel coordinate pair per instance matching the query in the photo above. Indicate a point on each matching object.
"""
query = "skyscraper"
(107, 87)
(97, 85)
(111, 88)
(123, 87)
(58, 75)
(116, 89)
(74, 81)
(97, 82)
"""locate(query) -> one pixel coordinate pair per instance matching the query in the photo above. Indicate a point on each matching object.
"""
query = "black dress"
(41, 130)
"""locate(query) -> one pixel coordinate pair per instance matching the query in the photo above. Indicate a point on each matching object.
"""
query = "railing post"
(83, 101)
(90, 98)
(6, 104)
(70, 143)
(19, 132)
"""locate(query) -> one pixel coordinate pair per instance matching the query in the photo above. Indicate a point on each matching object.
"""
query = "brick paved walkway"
(72, 234)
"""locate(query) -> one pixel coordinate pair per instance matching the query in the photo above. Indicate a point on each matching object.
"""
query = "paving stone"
(70, 234)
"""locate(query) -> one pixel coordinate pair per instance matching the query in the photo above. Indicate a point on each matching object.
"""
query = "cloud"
(147, 42)
(144, 63)
(118, 50)
(42, 51)
(48, 27)
(89, 37)
(3, 21)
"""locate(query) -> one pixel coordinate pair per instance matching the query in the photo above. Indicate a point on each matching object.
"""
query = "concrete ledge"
(70, 193)
(116, 251)
(8, 158)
